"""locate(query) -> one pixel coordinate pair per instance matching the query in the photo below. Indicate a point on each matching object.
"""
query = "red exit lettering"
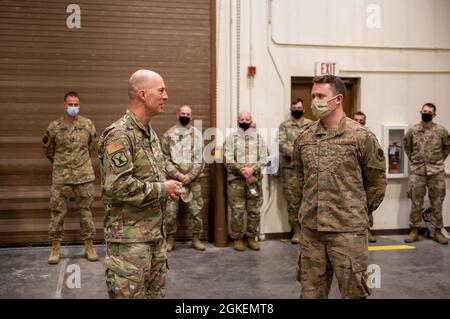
(328, 68)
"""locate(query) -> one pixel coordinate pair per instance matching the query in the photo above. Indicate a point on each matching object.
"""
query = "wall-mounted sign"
(323, 68)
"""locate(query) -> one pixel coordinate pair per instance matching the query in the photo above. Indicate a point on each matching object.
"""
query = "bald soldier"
(68, 144)
(182, 146)
(342, 181)
(245, 155)
(287, 133)
(135, 189)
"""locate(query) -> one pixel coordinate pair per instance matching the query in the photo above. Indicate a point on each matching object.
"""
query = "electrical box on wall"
(394, 150)
(251, 71)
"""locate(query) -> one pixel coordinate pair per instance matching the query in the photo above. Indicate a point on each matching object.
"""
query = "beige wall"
(402, 57)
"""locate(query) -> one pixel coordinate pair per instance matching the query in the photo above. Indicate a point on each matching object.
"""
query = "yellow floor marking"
(390, 247)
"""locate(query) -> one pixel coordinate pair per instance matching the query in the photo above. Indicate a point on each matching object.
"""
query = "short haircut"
(334, 81)
(430, 105)
(295, 101)
(71, 93)
(360, 113)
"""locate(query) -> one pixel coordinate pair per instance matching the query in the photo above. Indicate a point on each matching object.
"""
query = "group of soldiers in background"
(333, 175)
(69, 143)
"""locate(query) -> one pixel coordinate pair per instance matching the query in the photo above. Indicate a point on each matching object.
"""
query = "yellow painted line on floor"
(391, 247)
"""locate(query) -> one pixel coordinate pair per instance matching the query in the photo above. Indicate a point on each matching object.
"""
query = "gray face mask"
(320, 109)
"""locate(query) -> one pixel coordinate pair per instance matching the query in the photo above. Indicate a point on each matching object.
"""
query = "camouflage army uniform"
(244, 150)
(342, 181)
(427, 149)
(183, 151)
(133, 192)
(68, 147)
(287, 134)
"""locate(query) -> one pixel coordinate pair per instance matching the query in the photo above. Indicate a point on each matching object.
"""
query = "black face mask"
(184, 120)
(244, 126)
(297, 114)
(427, 117)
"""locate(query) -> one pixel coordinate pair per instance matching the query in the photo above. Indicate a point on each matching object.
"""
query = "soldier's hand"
(172, 197)
(173, 189)
(251, 179)
(186, 179)
(181, 177)
(247, 172)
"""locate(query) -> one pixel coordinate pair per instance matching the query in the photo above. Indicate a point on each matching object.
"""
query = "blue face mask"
(73, 110)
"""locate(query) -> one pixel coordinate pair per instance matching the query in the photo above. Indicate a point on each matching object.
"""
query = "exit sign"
(323, 68)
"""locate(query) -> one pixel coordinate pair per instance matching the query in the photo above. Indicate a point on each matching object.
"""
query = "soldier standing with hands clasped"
(245, 155)
(182, 146)
(68, 143)
(427, 145)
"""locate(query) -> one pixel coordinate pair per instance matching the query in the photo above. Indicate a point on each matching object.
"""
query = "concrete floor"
(222, 273)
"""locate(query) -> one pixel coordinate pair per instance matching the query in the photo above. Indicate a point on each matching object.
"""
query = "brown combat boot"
(252, 243)
(54, 255)
(89, 250)
(439, 237)
(170, 242)
(296, 236)
(372, 238)
(196, 243)
(238, 245)
(413, 235)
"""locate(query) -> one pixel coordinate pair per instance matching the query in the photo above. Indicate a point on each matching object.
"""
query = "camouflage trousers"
(417, 188)
(136, 270)
(291, 190)
(83, 195)
(322, 253)
(242, 202)
(194, 208)
(371, 220)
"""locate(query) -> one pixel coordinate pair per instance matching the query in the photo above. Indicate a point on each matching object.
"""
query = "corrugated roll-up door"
(41, 58)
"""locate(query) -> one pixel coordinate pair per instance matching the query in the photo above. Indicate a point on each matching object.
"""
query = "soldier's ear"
(141, 95)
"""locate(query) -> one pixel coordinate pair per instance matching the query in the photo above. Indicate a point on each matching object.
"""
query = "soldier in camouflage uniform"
(427, 145)
(68, 143)
(287, 133)
(134, 190)
(342, 181)
(245, 155)
(182, 146)
(360, 117)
